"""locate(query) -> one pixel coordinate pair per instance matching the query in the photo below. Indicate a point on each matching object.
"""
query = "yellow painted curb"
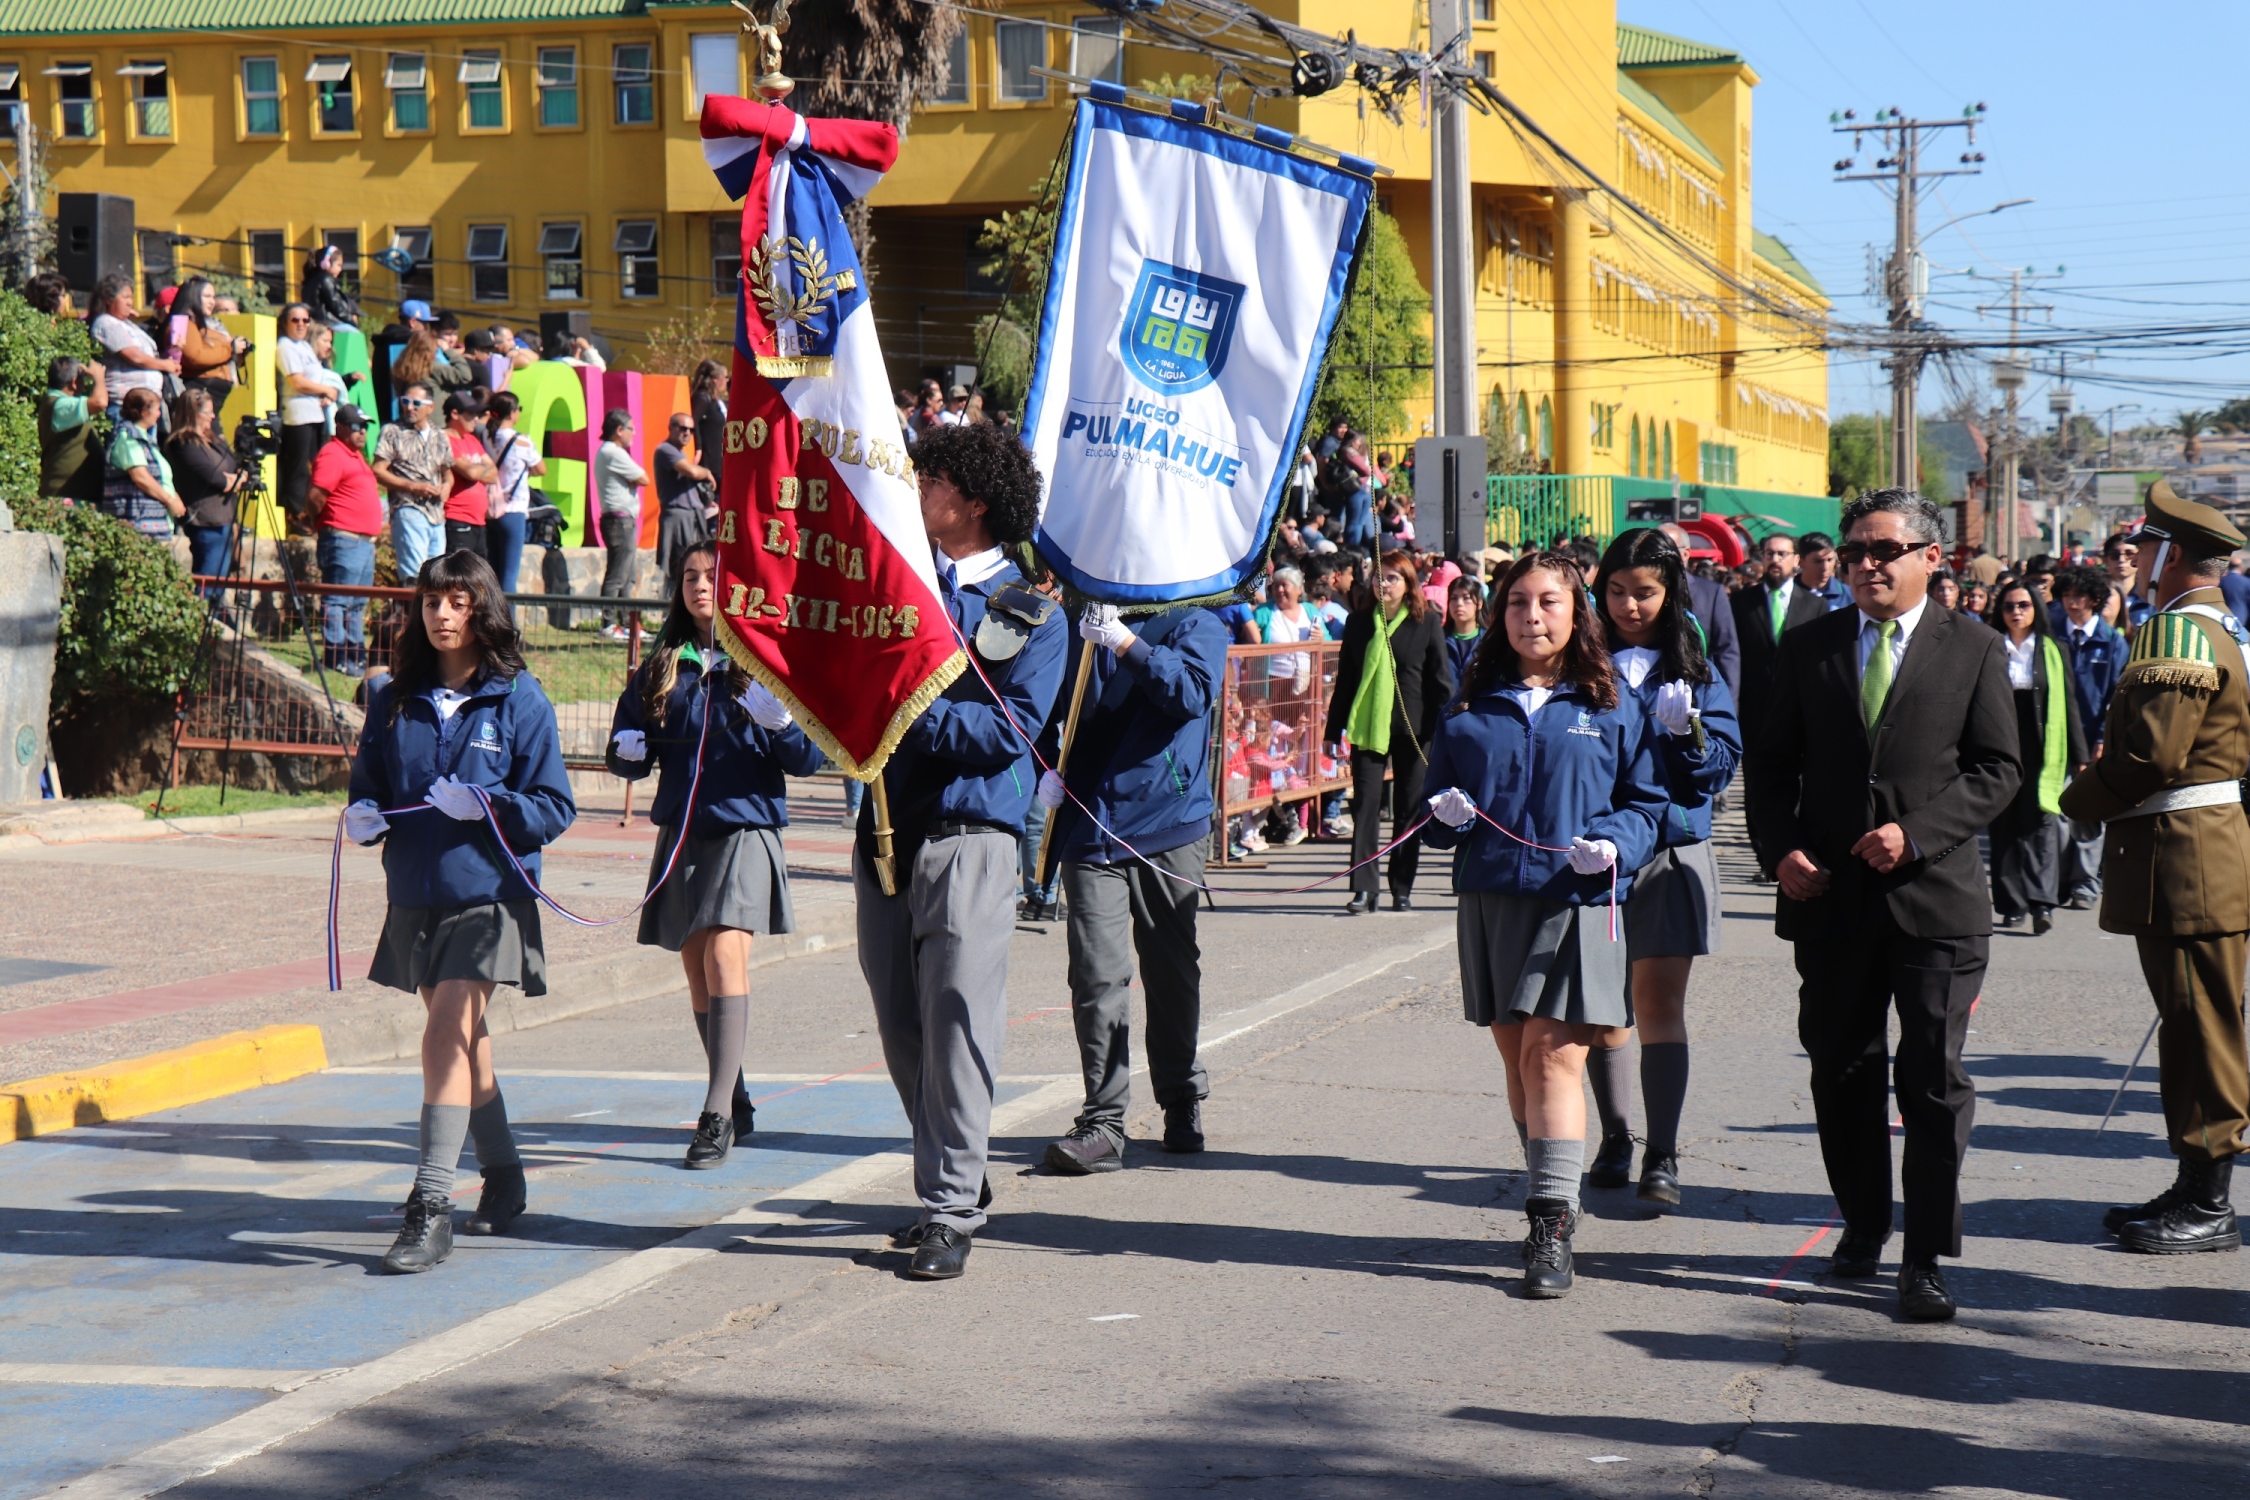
(162, 1080)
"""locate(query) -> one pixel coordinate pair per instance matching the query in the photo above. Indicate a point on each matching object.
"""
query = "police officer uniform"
(2176, 869)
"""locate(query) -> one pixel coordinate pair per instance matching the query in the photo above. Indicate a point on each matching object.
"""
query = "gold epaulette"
(2171, 650)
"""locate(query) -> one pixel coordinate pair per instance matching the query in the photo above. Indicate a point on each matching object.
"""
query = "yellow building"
(541, 155)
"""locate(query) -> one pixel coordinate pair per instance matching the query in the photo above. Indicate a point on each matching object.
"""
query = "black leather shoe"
(2202, 1219)
(1361, 902)
(1085, 1151)
(501, 1202)
(1183, 1128)
(1613, 1164)
(2042, 922)
(1858, 1256)
(1922, 1295)
(745, 1113)
(714, 1136)
(2122, 1214)
(2009, 919)
(425, 1238)
(1546, 1250)
(942, 1255)
(1660, 1179)
(907, 1236)
(1401, 902)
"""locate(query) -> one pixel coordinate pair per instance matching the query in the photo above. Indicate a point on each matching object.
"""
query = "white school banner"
(1196, 279)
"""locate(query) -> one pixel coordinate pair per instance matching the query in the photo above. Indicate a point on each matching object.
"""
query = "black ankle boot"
(503, 1199)
(425, 1238)
(1546, 1250)
(714, 1134)
(2123, 1214)
(2202, 1219)
(1613, 1163)
(745, 1113)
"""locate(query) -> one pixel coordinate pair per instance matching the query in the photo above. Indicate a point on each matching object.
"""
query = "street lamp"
(1978, 214)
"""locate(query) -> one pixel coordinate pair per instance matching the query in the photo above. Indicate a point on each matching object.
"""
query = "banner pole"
(886, 860)
(1062, 757)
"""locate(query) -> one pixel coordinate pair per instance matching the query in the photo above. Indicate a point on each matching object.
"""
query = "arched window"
(1546, 429)
(1669, 471)
(1523, 422)
(1633, 451)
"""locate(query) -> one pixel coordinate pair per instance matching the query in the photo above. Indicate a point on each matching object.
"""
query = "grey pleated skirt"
(736, 880)
(498, 941)
(1673, 911)
(1522, 957)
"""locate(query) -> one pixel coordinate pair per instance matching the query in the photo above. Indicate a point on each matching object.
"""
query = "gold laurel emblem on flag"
(815, 283)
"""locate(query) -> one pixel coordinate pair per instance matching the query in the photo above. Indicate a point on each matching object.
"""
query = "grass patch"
(572, 666)
(203, 801)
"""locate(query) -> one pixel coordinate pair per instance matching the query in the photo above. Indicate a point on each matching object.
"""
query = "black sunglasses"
(1851, 554)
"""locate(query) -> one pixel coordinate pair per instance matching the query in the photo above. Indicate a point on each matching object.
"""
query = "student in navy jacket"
(1673, 917)
(2097, 659)
(1141, 761)
(731, 880)
(458, 724)
(1464, 625)
(1547, 746)
(935, 955)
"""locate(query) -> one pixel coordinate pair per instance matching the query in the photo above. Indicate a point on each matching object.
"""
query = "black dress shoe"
(1660, 1179)
(2122, 1214)
(1613, 1164)
(907, 1236)
(942, 1255)
(1401, 902)
(1546, 1250)
(2202, 1219)
(1361, 902)
(1922, 1295)
(2010, 919)
(1183, 1128)
(425, 1238)
(714, 1136)
(501, 1202)
(1859, 1255)
(2042, 922)
(745, 1113)
(1085, 1151)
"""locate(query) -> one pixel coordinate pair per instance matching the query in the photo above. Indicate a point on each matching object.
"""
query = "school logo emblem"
(487, 737)
(1585, 719)
(1178, 327)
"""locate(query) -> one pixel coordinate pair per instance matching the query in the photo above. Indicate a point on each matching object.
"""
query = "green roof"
(1656, 109)
(1783, 259)
(25, 18)
(1639, 47)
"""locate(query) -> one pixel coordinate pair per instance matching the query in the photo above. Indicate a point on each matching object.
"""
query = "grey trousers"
(936, 961)
(1108, 904)
(2082, 859)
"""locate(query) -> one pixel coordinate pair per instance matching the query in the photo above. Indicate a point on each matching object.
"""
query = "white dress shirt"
(2020, 669)
(1907, 624)
(973, 569)
(1635, 662)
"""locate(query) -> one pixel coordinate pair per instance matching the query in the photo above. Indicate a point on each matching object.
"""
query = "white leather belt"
(2181, 798)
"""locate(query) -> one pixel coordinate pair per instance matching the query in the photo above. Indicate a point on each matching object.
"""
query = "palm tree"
(2192, 425)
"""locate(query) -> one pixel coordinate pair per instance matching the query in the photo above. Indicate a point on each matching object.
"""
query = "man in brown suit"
(2176, 861)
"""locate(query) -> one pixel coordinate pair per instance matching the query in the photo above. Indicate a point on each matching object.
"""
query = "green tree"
(1022, 242)
(29, 340)
(1855, 454)
(1380, 352)
(2191, 425)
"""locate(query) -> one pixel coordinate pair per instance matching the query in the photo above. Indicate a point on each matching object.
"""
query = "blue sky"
(2125, 124)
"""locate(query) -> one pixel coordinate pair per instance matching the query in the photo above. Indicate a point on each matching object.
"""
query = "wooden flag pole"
(886, 859)
(1062, 757)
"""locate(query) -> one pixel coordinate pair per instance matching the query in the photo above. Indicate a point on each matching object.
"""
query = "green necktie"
(1775, 608)
(1875, 677)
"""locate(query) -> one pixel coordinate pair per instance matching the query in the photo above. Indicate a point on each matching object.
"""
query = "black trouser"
(461, 536)
(299, 446)
(1850, 983)
(1367, 810)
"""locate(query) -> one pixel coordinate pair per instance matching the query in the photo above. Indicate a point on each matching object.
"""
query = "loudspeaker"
(557, 329)
(93, 237)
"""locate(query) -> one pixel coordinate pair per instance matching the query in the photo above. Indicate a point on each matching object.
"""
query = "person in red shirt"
(350, 516)
(469, 504)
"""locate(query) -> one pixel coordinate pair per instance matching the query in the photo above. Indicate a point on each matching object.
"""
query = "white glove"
(363, 824)
(1050, 792)
(1101, 626)
(1675, 707)
(632, 744)
(765, 710)
(1592, 856)
(1453, 808)
(456, 800)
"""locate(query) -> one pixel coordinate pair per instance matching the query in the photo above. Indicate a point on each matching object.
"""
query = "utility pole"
(27, 196)
(1905, 276)
(2008, 374)
(1452, 234)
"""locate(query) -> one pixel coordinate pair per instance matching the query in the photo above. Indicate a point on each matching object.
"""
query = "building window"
(1488, 10)
(11, 99)
(331, 78)
(152, 99)
(261, 96)
(1487, 63)
(636, 87)
(1633, 452)
(74, 98)
(1022, 46)
(566, 268)
(1546, 429)
(726, 256)
(481, 85)
(1097, 49)
(1669, 471)
(269, 264)
(637, 276)
(418, 280)
(558, 86)
(1722, 463)
(346, 240)
(714, 67)
(488, 262)
(407, 76)
(956, 90)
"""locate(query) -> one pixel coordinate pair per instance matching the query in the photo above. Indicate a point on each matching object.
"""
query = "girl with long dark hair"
(459, 726)
(200, 343)
(2027, 837)
(1549, 788)
(730, 881)
(1656, 648)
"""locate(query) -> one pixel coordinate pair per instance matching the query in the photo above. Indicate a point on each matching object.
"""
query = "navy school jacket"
(503, 739)
(745, 768)
(1691, 777)
(2095, 667)
(1571, 771)
(1142, 758)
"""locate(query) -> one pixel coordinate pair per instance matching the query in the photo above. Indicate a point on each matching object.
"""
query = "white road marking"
(194, 1377)
(1114, 1318)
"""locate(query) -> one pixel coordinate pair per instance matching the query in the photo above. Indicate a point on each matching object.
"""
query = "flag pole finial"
(771, 82)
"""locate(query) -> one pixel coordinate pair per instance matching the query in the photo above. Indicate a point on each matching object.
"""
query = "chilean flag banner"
(1196, 279)
(827, 591)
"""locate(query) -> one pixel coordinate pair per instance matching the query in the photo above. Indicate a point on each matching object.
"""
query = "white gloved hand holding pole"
(363, 823)
(632, 744)
(1674, 708)
(455, 799)
(1453, 808)
(1101, 625)
(765, 710)
(1592, 856)
(1050, 790)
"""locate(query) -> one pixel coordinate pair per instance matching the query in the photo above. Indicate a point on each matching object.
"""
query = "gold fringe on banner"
(792, 367)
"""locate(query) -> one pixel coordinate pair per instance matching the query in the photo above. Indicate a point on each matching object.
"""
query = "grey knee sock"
(1664, 1075)
(728, 1029)
(1555, 1169)
(444, 1128)
(1610, 1071)
(488, 1129)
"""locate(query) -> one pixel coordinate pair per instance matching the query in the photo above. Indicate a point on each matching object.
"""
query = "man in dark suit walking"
(1889, 741)
(1763, 613)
